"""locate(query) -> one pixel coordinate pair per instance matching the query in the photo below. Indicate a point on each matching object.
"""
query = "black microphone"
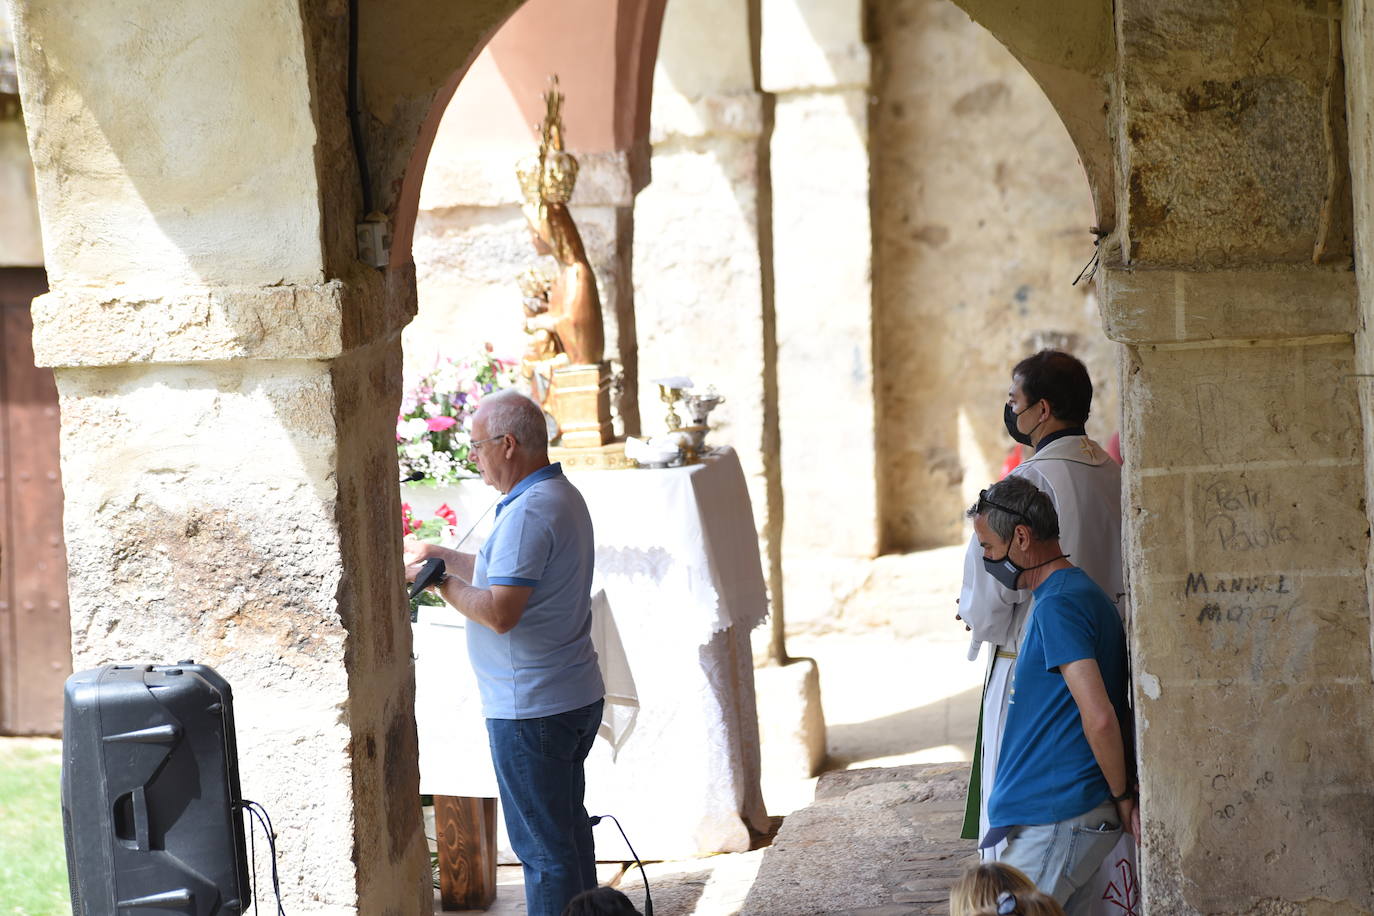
(430, 573)
(413, 476)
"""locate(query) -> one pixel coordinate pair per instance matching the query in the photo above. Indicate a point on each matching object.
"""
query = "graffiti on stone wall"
(1228, 794)
(1241, 600)
(1243, 517)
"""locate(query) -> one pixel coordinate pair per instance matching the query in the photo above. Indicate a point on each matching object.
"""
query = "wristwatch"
(1128, 795)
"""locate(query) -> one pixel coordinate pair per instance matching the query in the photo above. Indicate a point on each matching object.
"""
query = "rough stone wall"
(228, 383)
(981, 216)
(1245, 460)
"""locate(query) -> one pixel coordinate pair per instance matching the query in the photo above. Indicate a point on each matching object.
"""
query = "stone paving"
(876, 842)
(878, 834)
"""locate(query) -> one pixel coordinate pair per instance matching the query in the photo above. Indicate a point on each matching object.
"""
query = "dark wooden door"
(35, 635)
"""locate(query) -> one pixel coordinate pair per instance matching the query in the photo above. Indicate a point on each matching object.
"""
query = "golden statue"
(564, 360)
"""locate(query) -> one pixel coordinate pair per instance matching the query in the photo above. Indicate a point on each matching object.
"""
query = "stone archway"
(201, 289)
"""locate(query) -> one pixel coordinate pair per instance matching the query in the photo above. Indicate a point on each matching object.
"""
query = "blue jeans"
(1062, 858)
(539, 771)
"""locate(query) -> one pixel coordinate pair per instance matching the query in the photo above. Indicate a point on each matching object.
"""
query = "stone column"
(1245, 462)
(228, 379)
(698, 269)
(815, 62)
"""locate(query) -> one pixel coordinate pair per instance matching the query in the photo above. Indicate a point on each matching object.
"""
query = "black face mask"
(1009, 418)
(1006, 571)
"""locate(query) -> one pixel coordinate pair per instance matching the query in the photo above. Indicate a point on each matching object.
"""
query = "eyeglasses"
(1006, 903)
(473, 447)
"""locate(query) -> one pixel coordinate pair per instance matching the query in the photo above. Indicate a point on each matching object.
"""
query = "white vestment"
(1084, 484)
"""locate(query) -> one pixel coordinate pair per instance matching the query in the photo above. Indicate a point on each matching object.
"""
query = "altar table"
(677, 558)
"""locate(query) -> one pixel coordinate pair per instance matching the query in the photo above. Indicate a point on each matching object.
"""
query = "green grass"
(33, 864)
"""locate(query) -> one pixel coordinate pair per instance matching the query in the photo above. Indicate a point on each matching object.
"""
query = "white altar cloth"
(677, 557)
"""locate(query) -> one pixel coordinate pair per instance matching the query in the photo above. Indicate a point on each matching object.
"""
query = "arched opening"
(939, 258)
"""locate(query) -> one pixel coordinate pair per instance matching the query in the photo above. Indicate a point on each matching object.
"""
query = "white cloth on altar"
(448, 709)
(621, 711)
(678, 561)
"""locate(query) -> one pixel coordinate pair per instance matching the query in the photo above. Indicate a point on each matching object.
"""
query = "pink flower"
(438, 424)
(446, 514)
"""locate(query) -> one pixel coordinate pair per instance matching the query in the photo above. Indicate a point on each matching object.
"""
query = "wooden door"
(35, 635)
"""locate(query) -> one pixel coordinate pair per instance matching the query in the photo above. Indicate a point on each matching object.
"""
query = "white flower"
(419, 449)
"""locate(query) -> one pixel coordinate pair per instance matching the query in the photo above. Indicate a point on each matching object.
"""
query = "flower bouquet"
(434, 427)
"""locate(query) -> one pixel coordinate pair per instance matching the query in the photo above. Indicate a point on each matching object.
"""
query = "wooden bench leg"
(465, 830)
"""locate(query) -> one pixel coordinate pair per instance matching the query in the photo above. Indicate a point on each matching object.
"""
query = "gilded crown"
(549, 176)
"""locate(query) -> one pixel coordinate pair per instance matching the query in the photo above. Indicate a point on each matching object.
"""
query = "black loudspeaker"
(150, 793)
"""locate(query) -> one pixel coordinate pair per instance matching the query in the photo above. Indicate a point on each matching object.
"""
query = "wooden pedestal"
(581, 403)
(465, 830)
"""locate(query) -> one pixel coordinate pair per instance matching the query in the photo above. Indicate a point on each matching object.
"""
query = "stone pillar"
(1245, 463)
(700, 301)
(815, 62)
(228, 380)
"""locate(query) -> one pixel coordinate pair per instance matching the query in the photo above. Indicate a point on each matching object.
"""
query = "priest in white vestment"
(1047, 405)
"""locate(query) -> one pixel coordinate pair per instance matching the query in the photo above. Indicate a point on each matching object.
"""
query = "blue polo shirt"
(546, 664)
(1046, 772)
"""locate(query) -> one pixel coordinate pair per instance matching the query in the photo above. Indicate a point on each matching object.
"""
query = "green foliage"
(33, 864)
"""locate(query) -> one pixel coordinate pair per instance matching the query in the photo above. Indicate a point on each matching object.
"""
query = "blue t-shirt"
(1046, 771)
(546, 663)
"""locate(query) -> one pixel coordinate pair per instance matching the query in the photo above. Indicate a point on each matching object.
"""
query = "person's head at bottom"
(600, 901)
(1029, 903)
(994, 889)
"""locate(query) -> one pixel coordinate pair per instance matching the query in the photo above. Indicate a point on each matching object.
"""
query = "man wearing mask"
(1047, 406)
(1064, 789)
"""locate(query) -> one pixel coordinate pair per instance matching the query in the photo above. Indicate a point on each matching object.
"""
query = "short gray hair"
(1016, 501)
(512, 412)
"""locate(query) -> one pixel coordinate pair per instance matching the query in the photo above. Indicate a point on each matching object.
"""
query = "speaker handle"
(133, 806)
(141, 842)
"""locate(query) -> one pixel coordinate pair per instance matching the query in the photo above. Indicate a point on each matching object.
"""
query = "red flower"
(439, 424)
(408, 523)
(446, 514)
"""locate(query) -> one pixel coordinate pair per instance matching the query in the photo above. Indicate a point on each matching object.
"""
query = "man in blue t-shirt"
(1063, 788)
(529, 589)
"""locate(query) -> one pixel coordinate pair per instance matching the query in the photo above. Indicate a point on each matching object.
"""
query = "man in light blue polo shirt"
(529, 589)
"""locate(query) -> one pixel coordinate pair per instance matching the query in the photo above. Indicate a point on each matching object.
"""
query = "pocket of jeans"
(558, 738)
(1087, 849)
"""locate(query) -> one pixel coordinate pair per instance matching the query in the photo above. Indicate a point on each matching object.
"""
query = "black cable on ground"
(648, 901)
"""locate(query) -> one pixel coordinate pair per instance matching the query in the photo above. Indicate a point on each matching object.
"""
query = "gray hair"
(1016, 501)
(512, 412)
